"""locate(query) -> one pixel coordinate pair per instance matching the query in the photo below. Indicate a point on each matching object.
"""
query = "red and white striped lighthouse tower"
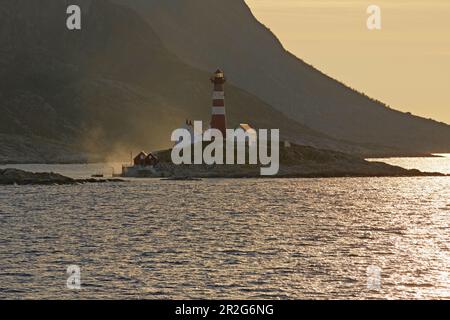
(218, 120)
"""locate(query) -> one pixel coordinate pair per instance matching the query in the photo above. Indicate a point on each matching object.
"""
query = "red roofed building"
(139, 160)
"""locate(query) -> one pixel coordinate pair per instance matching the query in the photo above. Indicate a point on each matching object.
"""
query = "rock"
(296, 161)
(20, 177)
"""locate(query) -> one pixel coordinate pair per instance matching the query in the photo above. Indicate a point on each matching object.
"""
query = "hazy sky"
(406, 64)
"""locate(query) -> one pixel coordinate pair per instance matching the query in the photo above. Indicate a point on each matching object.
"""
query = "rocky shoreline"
(20, 177)
(192, 172)
(295, 162)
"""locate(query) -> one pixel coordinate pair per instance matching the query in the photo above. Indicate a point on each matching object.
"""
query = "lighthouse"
(218, 120)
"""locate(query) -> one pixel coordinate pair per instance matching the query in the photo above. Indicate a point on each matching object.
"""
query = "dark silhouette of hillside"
(114, 86)
(206, 33)
(110, 88)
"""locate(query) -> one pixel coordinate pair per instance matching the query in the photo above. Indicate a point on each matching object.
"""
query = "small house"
(140, 159)
(151, 160)
(251, 136)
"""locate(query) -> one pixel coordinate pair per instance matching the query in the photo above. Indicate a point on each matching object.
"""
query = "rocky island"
(20, 177)
(295, 162)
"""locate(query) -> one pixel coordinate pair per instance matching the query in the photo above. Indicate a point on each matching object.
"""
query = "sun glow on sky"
(406, 64)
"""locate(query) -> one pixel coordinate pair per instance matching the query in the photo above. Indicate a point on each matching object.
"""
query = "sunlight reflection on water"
(440, 163)
(238, 238)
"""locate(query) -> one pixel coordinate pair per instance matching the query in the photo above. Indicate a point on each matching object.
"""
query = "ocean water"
(238, 238)
(440, 163)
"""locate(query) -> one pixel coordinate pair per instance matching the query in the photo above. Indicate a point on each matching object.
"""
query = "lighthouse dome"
(219, 73)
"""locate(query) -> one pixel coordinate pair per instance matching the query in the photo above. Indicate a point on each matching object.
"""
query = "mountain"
(207, 33)
(119, 85)
(108, 89)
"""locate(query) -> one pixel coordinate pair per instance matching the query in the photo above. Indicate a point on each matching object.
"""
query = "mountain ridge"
(108, 89)
(114, 87)
(245, 47)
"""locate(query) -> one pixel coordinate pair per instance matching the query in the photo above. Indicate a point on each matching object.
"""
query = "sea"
(329, 238)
